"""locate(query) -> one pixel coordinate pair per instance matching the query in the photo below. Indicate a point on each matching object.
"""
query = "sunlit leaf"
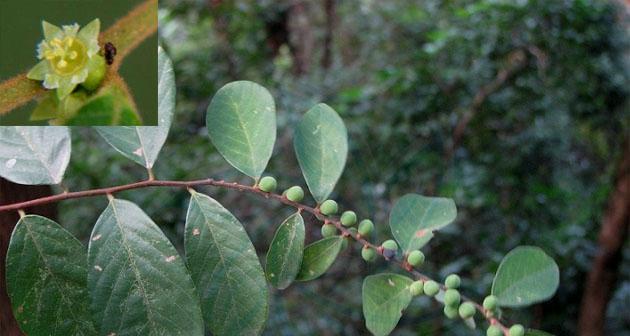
(285, 252)
(385, 296)
(34, 155)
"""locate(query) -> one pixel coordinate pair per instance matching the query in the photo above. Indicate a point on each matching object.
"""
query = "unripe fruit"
(328, 230)
(517, 330)
(368, 253)
(96, 73)
(365, 227)
(415, 258)
(490, 302)
(494, 331)
(390, 245)
(431, 288)
(452, 297)
(329, 207)
(295, 194)
(450, 312)
(267, 184)
(466, 310)
(348, 218)
(452, 281)
(416, 288)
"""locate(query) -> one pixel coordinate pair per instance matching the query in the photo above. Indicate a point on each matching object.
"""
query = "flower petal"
(51, 81)
(65, 88)
(71, 30)
(39, 71)
(40, 49)
(50, 30)
(80, 77)
(90, 31)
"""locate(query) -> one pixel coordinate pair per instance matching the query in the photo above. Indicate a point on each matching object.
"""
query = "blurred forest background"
(517, 109)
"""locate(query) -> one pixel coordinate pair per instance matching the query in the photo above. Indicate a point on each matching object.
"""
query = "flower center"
(66, 56)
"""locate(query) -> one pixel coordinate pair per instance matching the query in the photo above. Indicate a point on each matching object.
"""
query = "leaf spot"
(98, 268)
(138, 151)
(10, 163)
(196, 232)
(170, 259)
(20, 309)
(421, 233)
(97, 237)
(390, 282)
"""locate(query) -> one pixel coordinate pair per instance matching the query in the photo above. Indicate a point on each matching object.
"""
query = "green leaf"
(414, 218)
(318, 257)
(534, 332)
(241, 122)
(166, 89)
(46, 279)
(321, 146)
(225, 268)
(285, 252)
(109, 107)
(525, 276)
(142, 144)
(138, 283)
(34, 155)
(46, 109)
(385, 296)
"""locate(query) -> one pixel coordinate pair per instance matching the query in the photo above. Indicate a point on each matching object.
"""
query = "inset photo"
(78, 62)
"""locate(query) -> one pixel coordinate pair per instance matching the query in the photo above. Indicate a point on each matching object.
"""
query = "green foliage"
(225, 269)
(46, 279)
(110, 106)
(526, 275)
(241, 122)
(318, 257)
(385, 296)
(127, 295)
(284, 257)
(34, 155)
(321, 146)
(414, 218)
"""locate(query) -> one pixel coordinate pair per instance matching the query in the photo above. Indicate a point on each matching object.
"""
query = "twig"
(188, 185)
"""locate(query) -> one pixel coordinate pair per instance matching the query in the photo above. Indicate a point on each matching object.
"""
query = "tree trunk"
(601, 280)
(12, 193)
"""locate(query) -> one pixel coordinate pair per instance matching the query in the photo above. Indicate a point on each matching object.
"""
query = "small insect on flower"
(110, 52)
(69, 57)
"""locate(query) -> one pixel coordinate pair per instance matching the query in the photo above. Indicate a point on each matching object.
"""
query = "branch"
(243, 188)
(125, 34)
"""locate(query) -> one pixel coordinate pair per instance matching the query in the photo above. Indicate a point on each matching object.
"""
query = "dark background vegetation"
(516, 109)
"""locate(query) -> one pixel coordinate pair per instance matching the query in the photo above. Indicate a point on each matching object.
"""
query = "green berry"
(450, 312)
(348, 218)
(267, 184)
(490, 302)
(328, 230)
(365, 227)
(295, 194)
(390, 245)
(494, 331)
(96, 73)
(415, 258)
(416, 288)
(452, 297)
(517, 330)
(368, 253)
(329, 207)
(431, 288)
(466, 310)
(452, 281)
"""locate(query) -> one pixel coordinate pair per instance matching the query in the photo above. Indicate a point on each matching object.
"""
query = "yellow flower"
(68, 57)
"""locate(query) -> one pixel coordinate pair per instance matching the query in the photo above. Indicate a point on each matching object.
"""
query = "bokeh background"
(516, 109)
(21, 32)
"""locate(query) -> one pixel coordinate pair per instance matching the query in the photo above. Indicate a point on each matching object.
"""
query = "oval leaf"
(166, 89)
(46, 279)
(414, 218)
(318, 257)
(525, 276)
(241, 122)
(321, 146)
(34, 155)
(225, 268)
(285, 252)
(385, 296)
(138, 283)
